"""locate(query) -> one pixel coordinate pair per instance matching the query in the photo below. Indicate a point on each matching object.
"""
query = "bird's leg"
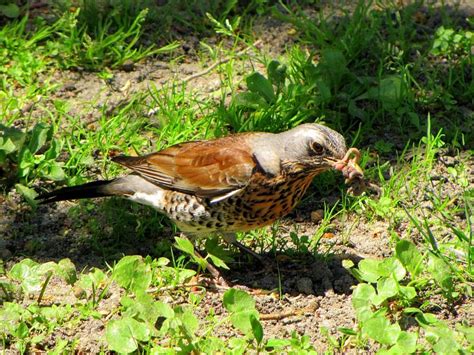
(215, 273)
(231, 239)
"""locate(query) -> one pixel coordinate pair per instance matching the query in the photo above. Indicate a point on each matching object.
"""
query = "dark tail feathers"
(89, 190)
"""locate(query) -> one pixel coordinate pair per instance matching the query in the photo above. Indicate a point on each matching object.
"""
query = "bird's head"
(313, 148)
(308, 148)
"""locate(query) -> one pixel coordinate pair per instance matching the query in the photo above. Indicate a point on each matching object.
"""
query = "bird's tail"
(89, 190)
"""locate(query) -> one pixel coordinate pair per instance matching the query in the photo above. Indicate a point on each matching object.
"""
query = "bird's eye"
(317, 148)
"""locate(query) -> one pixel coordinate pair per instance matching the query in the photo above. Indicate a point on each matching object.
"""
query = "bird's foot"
(217, 278)
(244, 249)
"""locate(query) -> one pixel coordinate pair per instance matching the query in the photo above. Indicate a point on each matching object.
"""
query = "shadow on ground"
(113, 228)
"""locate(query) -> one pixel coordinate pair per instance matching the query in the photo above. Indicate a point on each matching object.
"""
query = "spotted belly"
(256, 206)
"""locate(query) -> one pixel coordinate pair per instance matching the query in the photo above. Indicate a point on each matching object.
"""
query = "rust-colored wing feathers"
(205, 168)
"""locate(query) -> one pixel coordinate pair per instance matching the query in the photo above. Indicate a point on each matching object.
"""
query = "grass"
(396, 81)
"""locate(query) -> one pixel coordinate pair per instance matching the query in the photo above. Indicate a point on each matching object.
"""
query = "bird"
(226, 185)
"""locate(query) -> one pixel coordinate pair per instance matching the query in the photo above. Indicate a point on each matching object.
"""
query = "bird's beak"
(348, 165)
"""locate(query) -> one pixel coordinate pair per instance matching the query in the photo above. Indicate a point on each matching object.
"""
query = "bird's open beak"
(349, 165)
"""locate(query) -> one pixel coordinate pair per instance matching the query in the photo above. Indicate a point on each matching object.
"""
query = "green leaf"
(164, 310)
(184, 245)
(324, 91)
(442, 338)
(392, 267)
(183, 275)
(67, 270)
(277, 344)
(238, 300)
(26, 272)
(217, 253)
(249, 100)
(7, 145)
(143, 307)
(414, 120)
(379, 329)
(386, 288)
(362, 299)
(426, 319)
(369, 270)
(46, 268)
(27, 193)
(408, 292)
(218, 262)
(441, 272)
(389, 92)
(409, 256)
(258, 84)
(56, 173)
(332, 66)
(276, 72)
(242, 320)
(22, 330)
(347, 264)
(38, 138)
(54, 150)
(468, 332)
(356, 111)
(257, 329)
(242, 308)
(132, 273)
(123, 335)
(96, 277)
(26, 162)
(10, 10)
(238, 345)
(406, 342)
(190, 322)
(16, 136)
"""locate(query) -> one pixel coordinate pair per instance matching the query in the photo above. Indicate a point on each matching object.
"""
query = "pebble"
(71, 86)
(128, 66)
(305, 285)
(317, 216)
(5, 254)
(449, 161)
(79, 292)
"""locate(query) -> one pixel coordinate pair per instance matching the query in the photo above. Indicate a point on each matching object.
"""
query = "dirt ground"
(317, 289)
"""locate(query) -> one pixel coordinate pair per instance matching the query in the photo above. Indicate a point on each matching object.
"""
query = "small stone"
(298, 217)
(320, 271)
(305, 285)
(449, 161)
(128, 66)
(71, 86)
(79, 292)
(317, 216)
(5, 254)
(186, 47)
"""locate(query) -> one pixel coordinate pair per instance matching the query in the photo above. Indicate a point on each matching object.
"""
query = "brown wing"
(204, 168)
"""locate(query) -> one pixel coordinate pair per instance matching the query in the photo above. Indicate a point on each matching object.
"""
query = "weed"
(395, 296)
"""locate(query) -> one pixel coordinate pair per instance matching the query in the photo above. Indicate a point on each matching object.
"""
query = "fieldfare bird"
(230, 184)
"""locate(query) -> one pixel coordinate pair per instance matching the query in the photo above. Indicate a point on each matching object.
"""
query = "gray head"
(309, 147)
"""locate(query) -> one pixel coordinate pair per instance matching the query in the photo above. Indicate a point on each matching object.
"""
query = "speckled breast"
(260, 204)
